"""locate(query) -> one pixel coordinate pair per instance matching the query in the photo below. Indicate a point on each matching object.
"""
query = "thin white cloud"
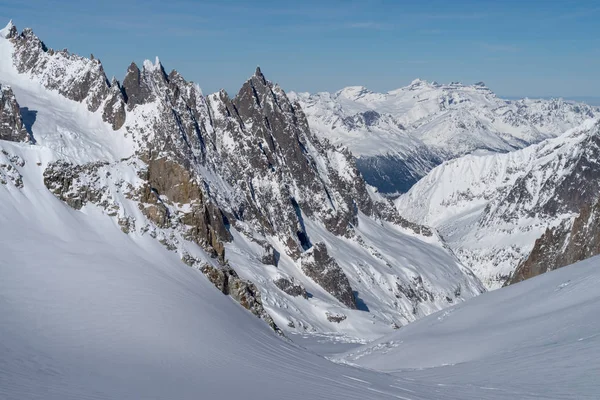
(500, 47)
(370, 25)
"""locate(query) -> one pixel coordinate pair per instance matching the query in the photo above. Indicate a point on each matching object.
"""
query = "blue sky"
(519, 48)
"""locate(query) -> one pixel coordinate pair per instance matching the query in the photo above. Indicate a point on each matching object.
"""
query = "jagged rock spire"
(12, 127)
(258, 74)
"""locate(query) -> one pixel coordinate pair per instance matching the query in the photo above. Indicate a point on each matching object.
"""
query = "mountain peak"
(9, 31)
(418, 82)
(149, 66)
(258, 74)
(353, 92)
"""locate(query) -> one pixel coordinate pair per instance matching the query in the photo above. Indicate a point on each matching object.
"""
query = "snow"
(60, 124)
(465, 199)
(425, 123)
(536, 339)
(6, 30)
(89, 312)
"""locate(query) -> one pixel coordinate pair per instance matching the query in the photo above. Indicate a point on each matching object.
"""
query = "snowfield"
(490, 208)
(384, 263)
(97, 303)
(399, 136)
(90, 313)
(536, 339)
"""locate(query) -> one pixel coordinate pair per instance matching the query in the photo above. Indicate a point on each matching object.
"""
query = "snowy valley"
(161, 243)
(399, 136)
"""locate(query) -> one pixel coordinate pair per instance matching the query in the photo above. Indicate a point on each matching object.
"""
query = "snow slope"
(90, 313)
(536, 339)
(400, 135)
(397, 274)
(491, 208)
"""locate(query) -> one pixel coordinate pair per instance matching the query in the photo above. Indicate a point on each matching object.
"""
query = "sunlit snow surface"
(537, 339)
(90, 313)
(65, 130)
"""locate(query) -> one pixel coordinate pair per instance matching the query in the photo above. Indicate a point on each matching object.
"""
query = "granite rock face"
(114, 107)
(323, 269)
(77, 78)
(11, 122)
(572, 241)
(244, 292)
(291, 287)
(204, 171)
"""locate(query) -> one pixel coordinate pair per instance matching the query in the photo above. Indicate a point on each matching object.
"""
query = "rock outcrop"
(77, 78)
(9, 169)
(242, 291)
(204, 171)
(318, 265)
(11, 121)
(289, 286)
(572, 241)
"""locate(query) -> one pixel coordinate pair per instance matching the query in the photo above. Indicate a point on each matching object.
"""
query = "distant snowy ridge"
(492, 208)
(400, 135)
(239, 187)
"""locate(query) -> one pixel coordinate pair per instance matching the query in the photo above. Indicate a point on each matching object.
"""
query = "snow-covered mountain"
(535, 340)
(239, 187)
(91, 313)
(491, 209)
(108, 190)
(397, 137)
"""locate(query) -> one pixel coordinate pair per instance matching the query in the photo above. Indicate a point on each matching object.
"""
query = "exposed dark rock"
(335, 317)
(205, 221)
(136, 87)
(290, 287)
(570, 242)
(242, 291)
(318, 265)
(9, 171)
(12, 127)
(416, 292)
(114, 108)
(63, 178)
(270, 255)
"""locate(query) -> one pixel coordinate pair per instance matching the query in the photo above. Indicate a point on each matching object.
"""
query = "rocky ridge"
(399, 136)
(573, 240)
(492, 209)
(245, 180)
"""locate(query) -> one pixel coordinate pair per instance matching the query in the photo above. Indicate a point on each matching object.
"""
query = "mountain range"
(399, 136)
(164, 243)
(239, 187)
